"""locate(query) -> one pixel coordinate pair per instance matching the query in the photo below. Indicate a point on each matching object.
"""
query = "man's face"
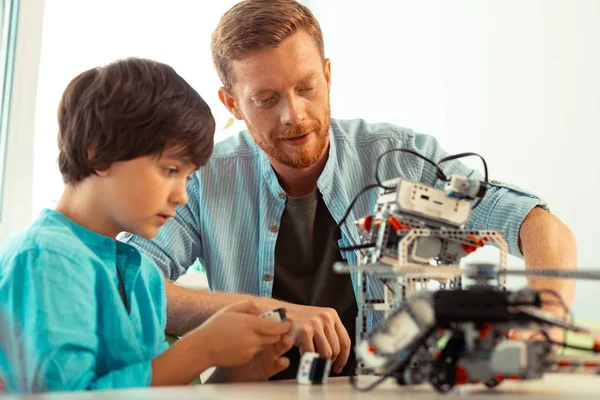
(283, 96)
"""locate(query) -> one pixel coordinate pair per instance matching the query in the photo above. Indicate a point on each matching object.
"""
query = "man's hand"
(556, 334)
(318, 329)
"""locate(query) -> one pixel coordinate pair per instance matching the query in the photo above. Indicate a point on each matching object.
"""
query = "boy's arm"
(234, 338)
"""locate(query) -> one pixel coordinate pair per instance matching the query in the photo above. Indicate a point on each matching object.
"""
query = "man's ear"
(229, 101)
(99, 172)
(328, 72)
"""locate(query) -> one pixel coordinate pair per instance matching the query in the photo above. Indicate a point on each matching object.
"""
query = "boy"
(84, 311)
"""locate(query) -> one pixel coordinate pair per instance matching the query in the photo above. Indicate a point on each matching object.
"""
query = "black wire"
(462, 155)
(479, 200)
(440, 174)
(363, 190)
(570, 315)
(343, 220)
(574, 347)
(558, 297)
(358, 247)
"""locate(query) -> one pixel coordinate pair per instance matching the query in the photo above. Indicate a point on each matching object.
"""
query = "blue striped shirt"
(235, 203)
(63, 323)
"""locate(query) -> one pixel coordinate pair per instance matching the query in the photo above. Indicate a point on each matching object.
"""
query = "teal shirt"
(63, 323)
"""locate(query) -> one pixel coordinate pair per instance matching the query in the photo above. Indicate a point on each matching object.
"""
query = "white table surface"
(557, 386)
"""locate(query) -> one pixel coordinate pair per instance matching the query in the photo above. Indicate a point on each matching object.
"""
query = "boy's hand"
(263, 365)
(235, 334)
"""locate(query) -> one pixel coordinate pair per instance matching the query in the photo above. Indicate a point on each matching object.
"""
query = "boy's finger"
(268, 340)
(283, 346)
(280, 365)
(266, 327)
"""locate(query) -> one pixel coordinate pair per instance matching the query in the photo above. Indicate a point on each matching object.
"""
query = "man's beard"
(305, 156)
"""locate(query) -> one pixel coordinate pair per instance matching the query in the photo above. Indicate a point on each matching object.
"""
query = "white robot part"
(431, 203)
(313, 370)
(398, 332)
(510, 357)
(465, 188)
(277, 315)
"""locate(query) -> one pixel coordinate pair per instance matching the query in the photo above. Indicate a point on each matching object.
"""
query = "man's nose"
(293, 112)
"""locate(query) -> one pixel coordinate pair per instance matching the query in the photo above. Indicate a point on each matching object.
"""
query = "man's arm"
(548, 243)
(187, 308)
(314, 328)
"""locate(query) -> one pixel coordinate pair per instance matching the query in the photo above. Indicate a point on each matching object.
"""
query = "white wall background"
(514, 80)
(82, 34)
(18, 184)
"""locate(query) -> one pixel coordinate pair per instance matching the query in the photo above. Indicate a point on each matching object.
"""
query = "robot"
(475, 321)
(417, 234)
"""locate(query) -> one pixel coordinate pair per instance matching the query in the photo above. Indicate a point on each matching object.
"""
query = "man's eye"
(306, 89)
(264, 102)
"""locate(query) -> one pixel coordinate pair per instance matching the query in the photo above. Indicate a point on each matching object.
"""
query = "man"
(262, 215)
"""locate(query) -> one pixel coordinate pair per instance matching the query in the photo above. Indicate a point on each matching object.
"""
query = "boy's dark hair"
(130, 108)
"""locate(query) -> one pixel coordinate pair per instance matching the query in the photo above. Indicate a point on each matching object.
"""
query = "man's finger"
(333, 340)
(322, 345)
(345, 345)
(306, 345)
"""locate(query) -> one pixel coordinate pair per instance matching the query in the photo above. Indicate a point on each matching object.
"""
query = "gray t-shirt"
(306, 248)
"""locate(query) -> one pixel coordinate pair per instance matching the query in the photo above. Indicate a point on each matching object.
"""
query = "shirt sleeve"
(504, 206)
(178, 243)
(50, 341)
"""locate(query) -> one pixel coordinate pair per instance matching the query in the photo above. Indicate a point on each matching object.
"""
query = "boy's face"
(145, 191)
(283, 96)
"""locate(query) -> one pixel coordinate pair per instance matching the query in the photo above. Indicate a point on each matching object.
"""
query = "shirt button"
(126, 235)
(494, 182)
(273, 228)
(281, 195)
(268, 277)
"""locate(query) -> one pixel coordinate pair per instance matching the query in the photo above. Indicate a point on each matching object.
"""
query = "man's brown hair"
(256, 25)
(130, 108)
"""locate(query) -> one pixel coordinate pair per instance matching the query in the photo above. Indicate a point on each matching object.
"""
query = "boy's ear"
(229, 101)
(99, 172)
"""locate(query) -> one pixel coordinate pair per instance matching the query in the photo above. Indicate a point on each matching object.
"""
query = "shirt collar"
(100, 243)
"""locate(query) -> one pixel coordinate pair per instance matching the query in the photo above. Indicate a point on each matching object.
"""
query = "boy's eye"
(169, 171)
